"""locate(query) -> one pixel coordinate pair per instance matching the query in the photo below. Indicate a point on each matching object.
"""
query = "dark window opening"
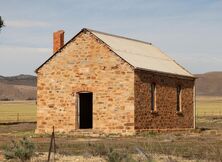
(153, 97)
(85, 110)
(178, 98)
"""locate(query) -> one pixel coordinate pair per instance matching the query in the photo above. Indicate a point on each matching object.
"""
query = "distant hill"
(22, 79)
(21, 87)
(209, 84)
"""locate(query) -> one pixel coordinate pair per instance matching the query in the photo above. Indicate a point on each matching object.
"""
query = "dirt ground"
(202, 144)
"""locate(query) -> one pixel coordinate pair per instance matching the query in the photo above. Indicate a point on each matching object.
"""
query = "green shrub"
(115, 156)
(100, 149)
(97, 149)
(22, 150)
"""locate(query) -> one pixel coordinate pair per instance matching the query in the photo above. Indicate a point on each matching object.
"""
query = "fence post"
(17, 117)
(52, 144)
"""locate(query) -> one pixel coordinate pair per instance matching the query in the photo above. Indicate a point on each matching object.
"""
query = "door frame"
(78, 108)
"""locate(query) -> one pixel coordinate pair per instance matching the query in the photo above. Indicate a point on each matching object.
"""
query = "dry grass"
(209, 106)
(206, 106)
(202, 144)
(197, 145)
(11, 110)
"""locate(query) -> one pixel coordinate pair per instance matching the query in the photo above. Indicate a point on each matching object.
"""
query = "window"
(153, 97)
(178, 98)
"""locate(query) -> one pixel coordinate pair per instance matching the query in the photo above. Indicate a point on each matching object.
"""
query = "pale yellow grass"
(17, 110)
(26, 110)
(209, 106)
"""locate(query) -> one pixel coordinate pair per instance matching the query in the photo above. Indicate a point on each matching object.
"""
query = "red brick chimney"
(58, 40)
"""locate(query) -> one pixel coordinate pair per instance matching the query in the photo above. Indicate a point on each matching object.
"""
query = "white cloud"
(26, 23)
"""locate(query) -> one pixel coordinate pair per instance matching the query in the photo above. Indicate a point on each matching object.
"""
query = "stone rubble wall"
(166, 116)
(86, 64)
(121, 95)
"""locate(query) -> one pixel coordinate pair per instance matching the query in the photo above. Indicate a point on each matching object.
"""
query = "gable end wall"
(86, 64)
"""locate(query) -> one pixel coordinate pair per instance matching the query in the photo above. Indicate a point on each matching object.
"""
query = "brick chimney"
(58, 40)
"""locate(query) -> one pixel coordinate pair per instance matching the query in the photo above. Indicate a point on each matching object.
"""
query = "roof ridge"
(180, 70)
(119, 36)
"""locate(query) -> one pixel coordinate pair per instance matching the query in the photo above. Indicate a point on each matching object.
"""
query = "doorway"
(85, 110)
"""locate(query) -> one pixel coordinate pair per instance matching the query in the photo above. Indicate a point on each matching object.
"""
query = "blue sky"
(190, 31)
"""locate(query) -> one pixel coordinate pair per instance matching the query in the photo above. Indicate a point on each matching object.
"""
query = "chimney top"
(58, 40)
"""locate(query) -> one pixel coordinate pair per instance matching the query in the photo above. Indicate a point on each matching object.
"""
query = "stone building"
(107, 84)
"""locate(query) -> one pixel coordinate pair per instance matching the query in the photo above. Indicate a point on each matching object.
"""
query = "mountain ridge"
(23, 87)
(19, 87)
(209, 83)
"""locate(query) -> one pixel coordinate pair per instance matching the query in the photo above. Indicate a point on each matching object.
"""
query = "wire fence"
(31, 117)
(200, 114)
(7, 117)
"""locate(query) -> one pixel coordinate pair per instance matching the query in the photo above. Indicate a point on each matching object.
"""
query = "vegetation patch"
(22, 150)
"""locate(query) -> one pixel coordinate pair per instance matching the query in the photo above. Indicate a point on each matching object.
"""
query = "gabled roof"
(139, 54)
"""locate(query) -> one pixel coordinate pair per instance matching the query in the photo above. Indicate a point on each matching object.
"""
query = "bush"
(114, 156)
(22, 150)
(98, 149)
(111, 155)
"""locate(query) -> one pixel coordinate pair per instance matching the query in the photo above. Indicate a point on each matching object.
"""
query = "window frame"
(179, 99)
(153, 97)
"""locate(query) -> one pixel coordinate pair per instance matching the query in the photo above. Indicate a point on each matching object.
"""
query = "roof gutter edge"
(166, 73)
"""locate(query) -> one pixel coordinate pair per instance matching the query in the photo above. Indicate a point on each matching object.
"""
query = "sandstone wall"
(166, 116)
(86, 64)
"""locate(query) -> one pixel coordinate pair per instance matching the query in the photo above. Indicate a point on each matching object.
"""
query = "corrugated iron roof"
(141, 55)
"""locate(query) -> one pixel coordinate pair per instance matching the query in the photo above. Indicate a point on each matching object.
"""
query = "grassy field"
(26, 110)
(17, 110)
(209, 106)
(198, 145)
(202, 144)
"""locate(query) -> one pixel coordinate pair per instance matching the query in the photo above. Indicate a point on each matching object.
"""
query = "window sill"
(154, 112)
(179, 113)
